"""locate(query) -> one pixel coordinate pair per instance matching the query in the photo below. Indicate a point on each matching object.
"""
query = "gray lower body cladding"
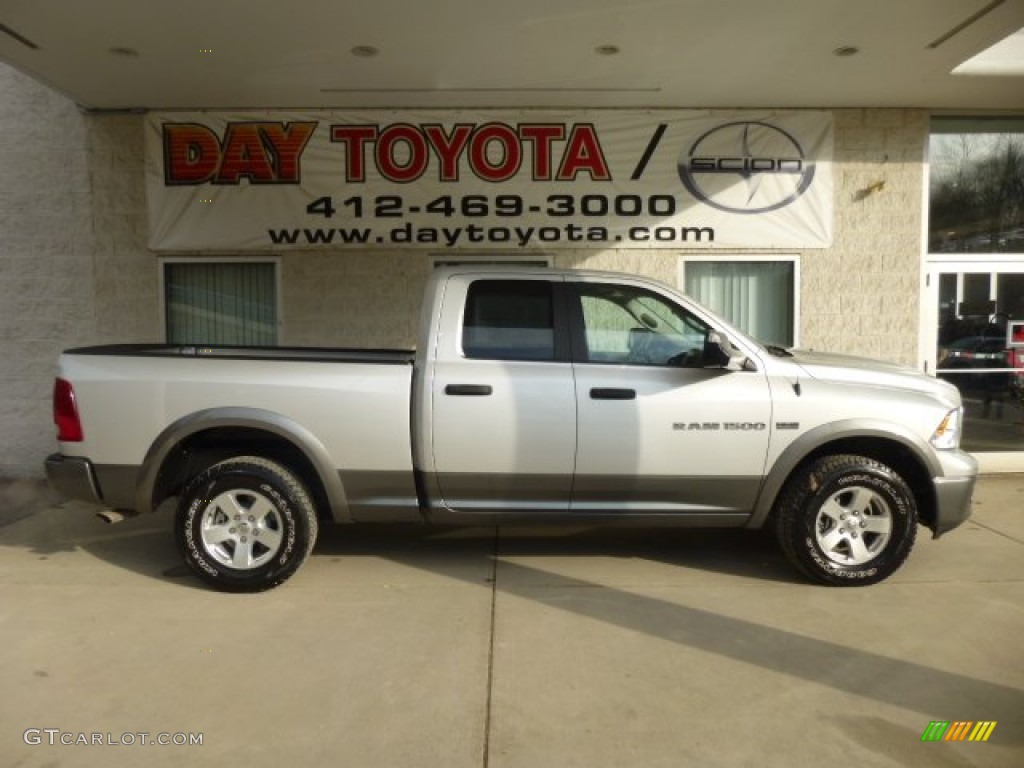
(704, 501)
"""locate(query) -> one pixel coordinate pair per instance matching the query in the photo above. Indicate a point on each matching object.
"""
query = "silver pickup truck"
(533, 396)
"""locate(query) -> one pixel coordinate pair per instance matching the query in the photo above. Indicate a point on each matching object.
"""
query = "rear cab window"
(510, 320)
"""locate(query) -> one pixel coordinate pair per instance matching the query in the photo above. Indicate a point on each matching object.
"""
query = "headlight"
(947, 435)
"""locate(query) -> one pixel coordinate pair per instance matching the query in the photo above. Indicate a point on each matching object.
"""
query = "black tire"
(223, 513)
(846, 520)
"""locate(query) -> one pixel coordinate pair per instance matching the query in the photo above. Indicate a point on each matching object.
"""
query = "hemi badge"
(787, 425)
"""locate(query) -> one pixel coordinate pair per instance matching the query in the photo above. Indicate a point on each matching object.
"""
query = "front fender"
(836, 432)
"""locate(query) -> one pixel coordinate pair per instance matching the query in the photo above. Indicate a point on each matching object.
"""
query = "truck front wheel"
(846, 520)
(245, 524)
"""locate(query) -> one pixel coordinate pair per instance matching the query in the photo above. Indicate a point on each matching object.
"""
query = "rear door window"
(510, 320)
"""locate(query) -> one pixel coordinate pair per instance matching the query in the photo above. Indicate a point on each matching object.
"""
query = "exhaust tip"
(111, 516)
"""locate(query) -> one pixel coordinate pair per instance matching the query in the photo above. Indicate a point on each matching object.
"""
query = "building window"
(976, 185)
(758, 296)
(224, 303)
(976, 275)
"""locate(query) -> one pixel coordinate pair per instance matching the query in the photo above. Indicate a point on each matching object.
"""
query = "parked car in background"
(974, 352)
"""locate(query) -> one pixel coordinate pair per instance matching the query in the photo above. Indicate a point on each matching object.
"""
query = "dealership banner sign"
(508, 180)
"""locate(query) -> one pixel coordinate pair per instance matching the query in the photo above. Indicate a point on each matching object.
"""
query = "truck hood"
(849, 369)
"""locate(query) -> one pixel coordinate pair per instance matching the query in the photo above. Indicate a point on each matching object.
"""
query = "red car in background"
(1015, 360)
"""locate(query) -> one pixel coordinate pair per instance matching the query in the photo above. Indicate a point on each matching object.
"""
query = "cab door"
(503, 398)
(658, 432)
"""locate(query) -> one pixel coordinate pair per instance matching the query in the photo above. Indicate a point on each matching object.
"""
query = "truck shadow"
(518, 563)
(531, 565)
(738, 553)
(145, 545)
(49, 528)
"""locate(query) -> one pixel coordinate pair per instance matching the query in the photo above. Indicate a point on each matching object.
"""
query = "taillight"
(65, 413)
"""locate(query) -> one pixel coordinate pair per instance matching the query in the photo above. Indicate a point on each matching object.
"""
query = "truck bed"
(346, 409)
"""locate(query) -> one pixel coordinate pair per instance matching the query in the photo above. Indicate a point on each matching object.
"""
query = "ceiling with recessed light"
(147, 54)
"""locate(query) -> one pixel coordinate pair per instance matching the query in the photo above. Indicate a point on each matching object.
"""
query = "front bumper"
(953, 491)
(73, 477)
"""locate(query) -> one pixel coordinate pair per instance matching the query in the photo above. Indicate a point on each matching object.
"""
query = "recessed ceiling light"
(365, 51)
(607, 50)
(122, 51)
(846, 50)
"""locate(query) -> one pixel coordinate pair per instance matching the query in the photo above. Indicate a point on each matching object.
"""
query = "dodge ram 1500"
(533, 395)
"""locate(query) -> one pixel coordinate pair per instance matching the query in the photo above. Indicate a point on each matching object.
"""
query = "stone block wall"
(862, 296)
(46, 285)
(74, 268)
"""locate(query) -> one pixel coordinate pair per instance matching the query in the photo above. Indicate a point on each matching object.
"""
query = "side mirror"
(719, 351)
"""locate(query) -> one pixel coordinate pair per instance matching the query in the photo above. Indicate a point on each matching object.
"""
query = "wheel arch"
(891, 445)
(195, 442)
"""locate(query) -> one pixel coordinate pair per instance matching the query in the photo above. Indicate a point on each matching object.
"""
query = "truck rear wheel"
(846, 520)
(245, 524)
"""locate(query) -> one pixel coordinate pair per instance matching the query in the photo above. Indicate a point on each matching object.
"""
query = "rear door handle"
(468, 390)
(612, 393)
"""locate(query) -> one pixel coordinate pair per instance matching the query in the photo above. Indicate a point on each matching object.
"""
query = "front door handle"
(468, 390)
(612, 393)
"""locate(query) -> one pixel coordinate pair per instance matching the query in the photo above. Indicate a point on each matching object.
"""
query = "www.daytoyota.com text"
(590, 209)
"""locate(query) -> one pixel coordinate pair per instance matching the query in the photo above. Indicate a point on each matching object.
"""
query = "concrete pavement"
(401, 646)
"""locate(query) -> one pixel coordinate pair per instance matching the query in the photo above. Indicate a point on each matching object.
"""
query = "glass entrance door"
(979, 347)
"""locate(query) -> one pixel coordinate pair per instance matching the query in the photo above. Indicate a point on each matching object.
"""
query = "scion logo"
(746, 167)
